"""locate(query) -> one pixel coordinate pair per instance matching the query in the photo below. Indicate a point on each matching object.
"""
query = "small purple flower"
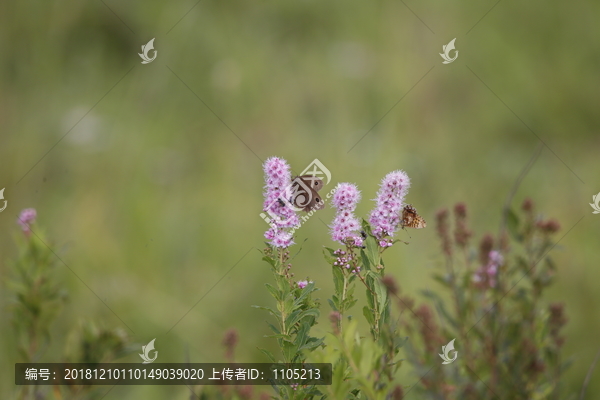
(281, 216)
(345, 224)
(302, 284)
(26, 218)
(385, 217)
(495, 257)
(487, 274)
(385, 243)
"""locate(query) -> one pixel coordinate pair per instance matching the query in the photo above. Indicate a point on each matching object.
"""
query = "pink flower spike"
(302, 284)
(345, 225)
(26, 218)
(385, 217)
(345, 197)
(282, 218)
(489, 272)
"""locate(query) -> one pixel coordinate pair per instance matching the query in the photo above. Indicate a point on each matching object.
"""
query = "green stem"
(375, 327)
(342, 303)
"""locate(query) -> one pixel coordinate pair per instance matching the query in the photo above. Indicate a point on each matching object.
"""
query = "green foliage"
(37, 296)
(363, 368)
(296, 313)
(91, 344)
(356, 367)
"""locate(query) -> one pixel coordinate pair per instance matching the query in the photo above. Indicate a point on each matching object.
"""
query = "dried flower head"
(550, 226)
(230, 340)
(441, 218)
(485, 246)
(245, 392)
(462, 232)
(335, 317)
(428, 328)
(527, 205)
(385, 217)
(397, 393)
(556, 321)
(390, 284)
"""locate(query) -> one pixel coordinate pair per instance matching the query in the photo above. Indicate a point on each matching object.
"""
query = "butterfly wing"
(304, 193)
(316, 202)
(312, 182)
(411, 219)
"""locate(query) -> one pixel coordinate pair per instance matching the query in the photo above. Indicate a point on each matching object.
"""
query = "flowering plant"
(358, 260)
(509, 342)
(510, 339)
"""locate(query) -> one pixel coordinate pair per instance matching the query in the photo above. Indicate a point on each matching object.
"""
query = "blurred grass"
(150, 199)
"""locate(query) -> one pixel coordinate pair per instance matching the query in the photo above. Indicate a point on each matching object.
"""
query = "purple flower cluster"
(345, 225)
(486, 275)
(26, 218)
(346, 261)
(303, 284)
(385, 217)
(282, 217)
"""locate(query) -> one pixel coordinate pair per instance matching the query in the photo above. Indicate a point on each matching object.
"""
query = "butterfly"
(411, 218)
(304, 194)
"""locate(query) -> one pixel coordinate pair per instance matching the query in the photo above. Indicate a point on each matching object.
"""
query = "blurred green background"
(152, 197)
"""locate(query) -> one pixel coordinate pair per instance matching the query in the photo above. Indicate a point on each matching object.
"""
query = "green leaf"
(269, 309)
(305, 292)
(274, 328)
(269, 260)
(349, 303)
(372, 252)
(299, 314)
(329, 256)
(289, 350)
(366, 227)
(443, 279)
(268, 354)
(312, 344)
(332, 303)
(287, 338)
(381, 292)
(282, 284)
(288, 304)
(368, 315)
(399, 341)
(302, 333)
(274, 292)
(338, 279)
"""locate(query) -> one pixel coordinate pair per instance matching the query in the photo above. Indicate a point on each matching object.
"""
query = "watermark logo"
(145, 49)
(595, 205)
(446, 350)
(2, 198)
(447, 48)
(146, 352)
(300, 193)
